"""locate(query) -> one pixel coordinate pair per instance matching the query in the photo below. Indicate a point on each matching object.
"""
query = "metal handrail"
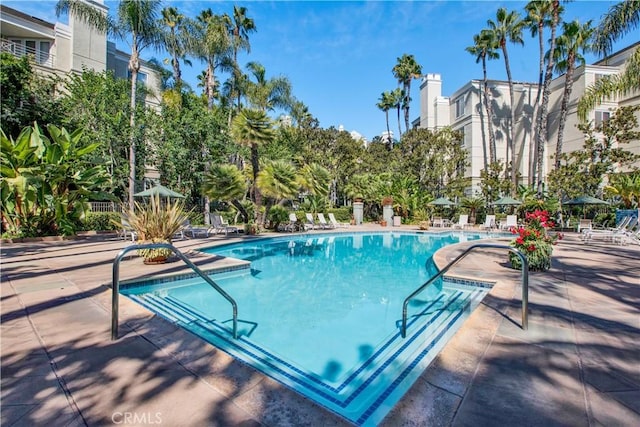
(116, 283)
(525, 282)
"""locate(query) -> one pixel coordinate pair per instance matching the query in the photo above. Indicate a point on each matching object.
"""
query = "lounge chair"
(322, 221)
(335, 222)
(189, 229)
(584, 224)
(617, 235)
(489, 222)
(437, 222)
(293, 223)
(463, 222)
(511, 221)
(218, 224)
(310, 222)
(128, 231)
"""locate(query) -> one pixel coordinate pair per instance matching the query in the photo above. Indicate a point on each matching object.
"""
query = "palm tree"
(212, 45)
(621, 18)
(484, 47)
(252, 128)
(175, 41)
(268, 94)
(385, 103)
(538, 17)
(555, 10)
(397, 96)
(405, 70)
(226, 183)
(627, 187)
(574, 39)
(508, 27)
(239, 30)
(315, 179)
(277, 181)
(138, 19)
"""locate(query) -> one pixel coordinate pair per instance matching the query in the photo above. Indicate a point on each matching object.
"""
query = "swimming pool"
(321, 313)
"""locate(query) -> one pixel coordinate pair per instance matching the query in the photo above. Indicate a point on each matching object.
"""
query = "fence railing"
(106, 207)
(41, 57)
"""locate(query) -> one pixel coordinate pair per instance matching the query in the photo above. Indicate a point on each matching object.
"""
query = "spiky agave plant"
(156, 222)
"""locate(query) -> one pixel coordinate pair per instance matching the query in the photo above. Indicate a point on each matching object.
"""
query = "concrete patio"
(578, 364)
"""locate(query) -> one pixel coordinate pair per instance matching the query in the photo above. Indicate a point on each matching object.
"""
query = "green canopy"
(159, 190)
(507, 201)
(585, 200)
(442, 201)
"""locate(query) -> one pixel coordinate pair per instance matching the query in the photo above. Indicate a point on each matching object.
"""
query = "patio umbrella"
(442, 201)
(159, 190)
(585, 200)
(507, 201)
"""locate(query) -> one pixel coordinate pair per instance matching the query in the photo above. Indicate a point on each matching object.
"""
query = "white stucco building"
(463, 111)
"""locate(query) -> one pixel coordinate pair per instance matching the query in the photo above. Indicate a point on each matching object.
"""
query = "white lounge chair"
(128, 231)
(189, 229)
(463, 222)
(489, 222)
(584, 224)
(511, 221)
(322, 221)
(310, 222)
(617, 235)
(335, 222)
(218, 224)
(293, 223)
(437, 222)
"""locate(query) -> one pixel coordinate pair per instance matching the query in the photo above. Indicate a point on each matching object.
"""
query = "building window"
(142, 77)
(602, 117)
(460, 104)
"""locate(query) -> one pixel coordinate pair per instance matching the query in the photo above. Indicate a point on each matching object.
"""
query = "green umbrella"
(159, 190)
(507, 201)
(442, 201)
(585, 200)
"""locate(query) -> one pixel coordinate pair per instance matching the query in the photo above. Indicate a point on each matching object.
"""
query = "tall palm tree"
(555, 10)
(484, 47)
(138, 19)
(315, 179)
(405, 70)
(385, 103)
(212, 45)
(300, 114)
(252, 128)
(538, 17)
(508, 27)
(575, 38)
(268, 94)
(175, 41)
(239, 28)
(397, 97)
(277, 181)
(621, 18)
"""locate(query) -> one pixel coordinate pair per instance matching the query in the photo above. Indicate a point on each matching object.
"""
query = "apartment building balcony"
(38, 50)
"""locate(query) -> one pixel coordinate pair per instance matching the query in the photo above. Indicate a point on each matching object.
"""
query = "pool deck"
(577, 364)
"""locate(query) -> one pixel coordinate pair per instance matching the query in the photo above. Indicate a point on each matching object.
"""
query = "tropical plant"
(474, 204)
(277, 215)
(626, 187)
(575, 38)
(176, 41)
(239, 28)
(267, 94)
(314, 179)
(156, 222)
(621, 18)
(484, 47)
(277, 182)
(385, 103)
(508, 27)
(253, 128)
(227, 183)
(405, 70)
(47, 182)
(138, 18)
(534, 241)
(538, 17)
(397, 97)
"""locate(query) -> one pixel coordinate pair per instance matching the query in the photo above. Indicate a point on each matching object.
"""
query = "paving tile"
(614, 409)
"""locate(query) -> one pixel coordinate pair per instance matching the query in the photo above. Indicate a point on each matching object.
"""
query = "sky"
(339, 55)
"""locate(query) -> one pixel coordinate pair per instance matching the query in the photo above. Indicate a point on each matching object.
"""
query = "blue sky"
(338, 55)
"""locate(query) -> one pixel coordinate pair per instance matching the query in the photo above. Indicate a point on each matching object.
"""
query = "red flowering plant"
(534, 241)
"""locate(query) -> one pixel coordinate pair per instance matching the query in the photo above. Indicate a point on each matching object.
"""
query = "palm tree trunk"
(489, 108)
(511, 145)
(568, 86)
(134, 66)
(389, 142)
(257, 195)
(211, 82)
(541, 140)
(399, 129)
(406, 106)
(533, 147)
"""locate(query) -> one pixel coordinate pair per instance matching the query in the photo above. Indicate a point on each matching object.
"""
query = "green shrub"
(342, 214)
(100, 221)
(277, 215)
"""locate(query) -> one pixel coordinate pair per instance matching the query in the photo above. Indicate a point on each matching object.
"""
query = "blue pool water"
(322, 313)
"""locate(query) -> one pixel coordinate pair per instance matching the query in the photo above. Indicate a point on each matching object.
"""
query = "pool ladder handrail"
(116, 283)
(525, 281)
